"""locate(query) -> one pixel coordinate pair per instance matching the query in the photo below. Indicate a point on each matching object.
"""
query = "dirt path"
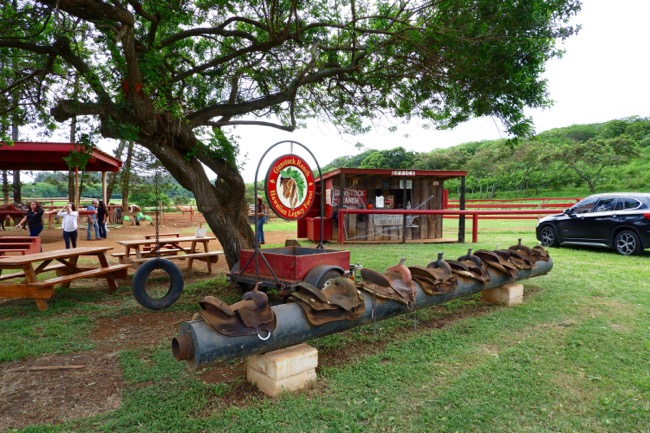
(53, 388)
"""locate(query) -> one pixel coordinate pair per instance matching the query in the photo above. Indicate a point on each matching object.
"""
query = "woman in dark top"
(102, 217)
(34, 219)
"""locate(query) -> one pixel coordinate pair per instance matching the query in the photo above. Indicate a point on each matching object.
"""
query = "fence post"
(461, 218)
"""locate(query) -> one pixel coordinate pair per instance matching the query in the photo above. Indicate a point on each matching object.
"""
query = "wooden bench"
(209, 258)
(21, 251)
(20, 244)
(165, 252)
(119, 271)
(149, 247)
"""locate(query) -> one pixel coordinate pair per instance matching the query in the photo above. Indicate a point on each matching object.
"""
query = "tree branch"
(222, 123)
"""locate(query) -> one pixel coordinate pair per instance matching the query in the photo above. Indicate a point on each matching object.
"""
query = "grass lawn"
(575, 357)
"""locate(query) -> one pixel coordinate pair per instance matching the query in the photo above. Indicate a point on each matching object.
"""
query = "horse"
(184, 209)
(11, 208)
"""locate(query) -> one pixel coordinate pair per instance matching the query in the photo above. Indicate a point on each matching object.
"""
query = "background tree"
(589, 159)
(171, 76)
(392, 158)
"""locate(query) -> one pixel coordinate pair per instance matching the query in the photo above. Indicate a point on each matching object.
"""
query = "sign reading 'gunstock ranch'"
(290, 187)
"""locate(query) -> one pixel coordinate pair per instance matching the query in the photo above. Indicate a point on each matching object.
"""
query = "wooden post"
(76, 188)
(104, 188)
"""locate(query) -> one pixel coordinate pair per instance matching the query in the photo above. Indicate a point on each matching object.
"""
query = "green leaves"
(78, 158)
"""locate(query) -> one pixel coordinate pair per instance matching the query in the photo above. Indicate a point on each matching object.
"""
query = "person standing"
(34, 219)
(92, 220)
(102, 217)
(261, 219)
(70, 224)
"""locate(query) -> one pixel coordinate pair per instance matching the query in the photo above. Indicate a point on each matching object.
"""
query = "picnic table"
(25, 283)
(192, 248)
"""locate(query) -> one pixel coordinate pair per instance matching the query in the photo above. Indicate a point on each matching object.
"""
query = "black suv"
(618, 220)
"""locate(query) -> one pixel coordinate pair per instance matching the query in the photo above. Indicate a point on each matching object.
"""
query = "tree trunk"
(126, 177)
(223, 204)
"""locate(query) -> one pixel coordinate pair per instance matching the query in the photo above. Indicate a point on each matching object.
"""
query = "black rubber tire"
(326, 279)
(548, 236)
(627, 243)
(175, 285)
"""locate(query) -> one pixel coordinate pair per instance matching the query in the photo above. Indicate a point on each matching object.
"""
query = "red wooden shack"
(380, 189)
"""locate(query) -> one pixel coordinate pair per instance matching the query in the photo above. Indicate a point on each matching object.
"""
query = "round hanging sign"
(290, 188)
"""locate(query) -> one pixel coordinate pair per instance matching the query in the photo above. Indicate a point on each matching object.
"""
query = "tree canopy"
(610, 156)
(176, 76)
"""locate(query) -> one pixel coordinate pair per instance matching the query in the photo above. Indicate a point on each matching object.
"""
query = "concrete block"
(286, 362)
(273, 387)
(288, 369)
(508, 294)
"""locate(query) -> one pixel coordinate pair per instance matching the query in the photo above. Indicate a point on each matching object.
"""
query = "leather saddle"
(470, 266)
(436, 278)
(519, 259)
(525, 252)
(340, 300)
(395, 284)
(497, 262)
(540, 253)
(251, 316)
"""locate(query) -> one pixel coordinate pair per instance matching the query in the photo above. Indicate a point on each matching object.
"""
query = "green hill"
(574, 161)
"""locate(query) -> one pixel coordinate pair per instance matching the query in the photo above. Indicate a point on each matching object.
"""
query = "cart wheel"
(324, 280)
(175, 285)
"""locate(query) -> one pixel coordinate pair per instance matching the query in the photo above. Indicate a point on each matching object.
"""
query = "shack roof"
(439, 174)
(49, 157)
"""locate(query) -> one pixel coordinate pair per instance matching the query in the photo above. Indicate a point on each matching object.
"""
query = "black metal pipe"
(199, 345)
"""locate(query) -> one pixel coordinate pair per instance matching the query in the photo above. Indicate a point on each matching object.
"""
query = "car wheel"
(548, 237)
(627, 243)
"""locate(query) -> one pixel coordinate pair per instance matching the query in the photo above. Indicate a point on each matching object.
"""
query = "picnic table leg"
(110, 277)
(190, 261)
(30, 277)
(208, 259)
(73, 264)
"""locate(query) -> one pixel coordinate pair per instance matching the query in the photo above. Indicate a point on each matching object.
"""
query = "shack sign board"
(290, 188)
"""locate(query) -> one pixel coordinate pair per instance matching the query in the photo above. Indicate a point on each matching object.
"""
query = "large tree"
(173, 75)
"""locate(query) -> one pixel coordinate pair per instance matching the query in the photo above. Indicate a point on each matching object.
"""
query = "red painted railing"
(475, 214)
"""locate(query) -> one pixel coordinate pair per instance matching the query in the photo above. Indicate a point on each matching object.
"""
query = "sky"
(604, 75)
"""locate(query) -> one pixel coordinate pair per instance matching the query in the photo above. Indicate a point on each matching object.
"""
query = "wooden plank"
(93, 273)
(163, 235)
(212, 254)
(21, 251)
(11, 276)
(209, 258)
(24, 291)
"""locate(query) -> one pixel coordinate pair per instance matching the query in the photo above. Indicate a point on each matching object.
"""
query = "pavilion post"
(104, 188)
(77, 200)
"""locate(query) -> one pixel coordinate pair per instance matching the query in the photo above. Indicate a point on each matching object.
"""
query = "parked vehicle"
(620, 221)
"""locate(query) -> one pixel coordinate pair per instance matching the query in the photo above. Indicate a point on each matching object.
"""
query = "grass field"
(575, 357)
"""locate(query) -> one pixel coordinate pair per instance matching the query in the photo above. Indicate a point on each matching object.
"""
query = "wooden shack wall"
(426, 193)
